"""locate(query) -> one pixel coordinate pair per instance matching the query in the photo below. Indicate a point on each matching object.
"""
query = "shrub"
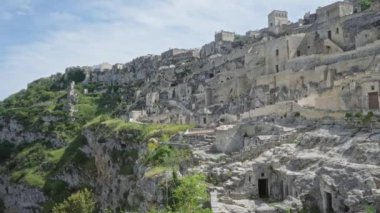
(82, 201)
(191, 194)
(370, 209)
(348, 115)
(365, 4)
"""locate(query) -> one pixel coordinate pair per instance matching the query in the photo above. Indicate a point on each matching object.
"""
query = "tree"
(365, 4)
(82, 201)
(191, 194)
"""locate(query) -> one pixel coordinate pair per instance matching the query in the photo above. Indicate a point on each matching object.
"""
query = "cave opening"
(263, 188)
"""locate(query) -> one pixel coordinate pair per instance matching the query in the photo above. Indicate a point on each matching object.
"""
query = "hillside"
(282, 119)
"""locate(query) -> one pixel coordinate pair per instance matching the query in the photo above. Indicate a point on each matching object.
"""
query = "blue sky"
(42, 37)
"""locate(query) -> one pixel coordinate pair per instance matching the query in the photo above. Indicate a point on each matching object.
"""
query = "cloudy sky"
(39, 37)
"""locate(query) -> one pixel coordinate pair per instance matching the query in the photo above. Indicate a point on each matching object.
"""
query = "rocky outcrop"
(120, 180)
(325, 167)
(14, 132)
(19, 197)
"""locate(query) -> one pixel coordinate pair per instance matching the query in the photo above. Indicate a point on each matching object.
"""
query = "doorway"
(328, 203)
(263, 188)
(373, 100)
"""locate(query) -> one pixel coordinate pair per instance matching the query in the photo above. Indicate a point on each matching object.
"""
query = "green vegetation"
(140, 132)
(183, 74)
(164, 158)
(187, 195)
(366, 4)
(370, 209)
(31, 165)
(41, 109)
(75, 74)
(365, 119)
(82, 201)
(348, 116)
(191, 194)
(156, 171)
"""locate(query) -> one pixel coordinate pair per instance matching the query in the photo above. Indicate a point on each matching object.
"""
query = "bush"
(365, 4)
(370, 209)
(191, 194)
(82, 201)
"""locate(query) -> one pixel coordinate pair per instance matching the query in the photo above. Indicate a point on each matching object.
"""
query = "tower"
(276, 19)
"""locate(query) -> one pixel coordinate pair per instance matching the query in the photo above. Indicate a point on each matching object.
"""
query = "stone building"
(224, 36)
(276, 20)
(171, 53)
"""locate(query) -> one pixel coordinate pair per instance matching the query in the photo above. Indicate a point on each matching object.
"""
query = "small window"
(298, 53)
(271, 24)
(337, 30)
(204, 120)
(277, 68)
(262, 174)
(366, 35)
(277, 52)
(329, 34)
(308, 47)
(372, 87)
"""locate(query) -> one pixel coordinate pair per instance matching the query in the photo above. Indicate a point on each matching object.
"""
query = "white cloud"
(124, 31)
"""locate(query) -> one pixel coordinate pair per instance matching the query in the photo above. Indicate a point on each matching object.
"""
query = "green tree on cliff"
(82, 201)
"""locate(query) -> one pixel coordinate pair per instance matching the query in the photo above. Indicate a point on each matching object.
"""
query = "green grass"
(145, 131)
(34, 179)
(156, 171)
(56, 155)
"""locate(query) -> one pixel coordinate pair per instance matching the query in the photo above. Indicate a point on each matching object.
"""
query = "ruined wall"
(366, 37)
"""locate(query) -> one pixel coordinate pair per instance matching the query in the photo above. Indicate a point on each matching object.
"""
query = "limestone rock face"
(120, 180)
(14, 132)
(19, 197)
(325, 167)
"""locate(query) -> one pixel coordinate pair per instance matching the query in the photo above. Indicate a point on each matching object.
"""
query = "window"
(329, 34)
(298, 53)
(372, 87)
(337, 30)
(271, 24)
(277, 52)
(277, 68)
(204, 120)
